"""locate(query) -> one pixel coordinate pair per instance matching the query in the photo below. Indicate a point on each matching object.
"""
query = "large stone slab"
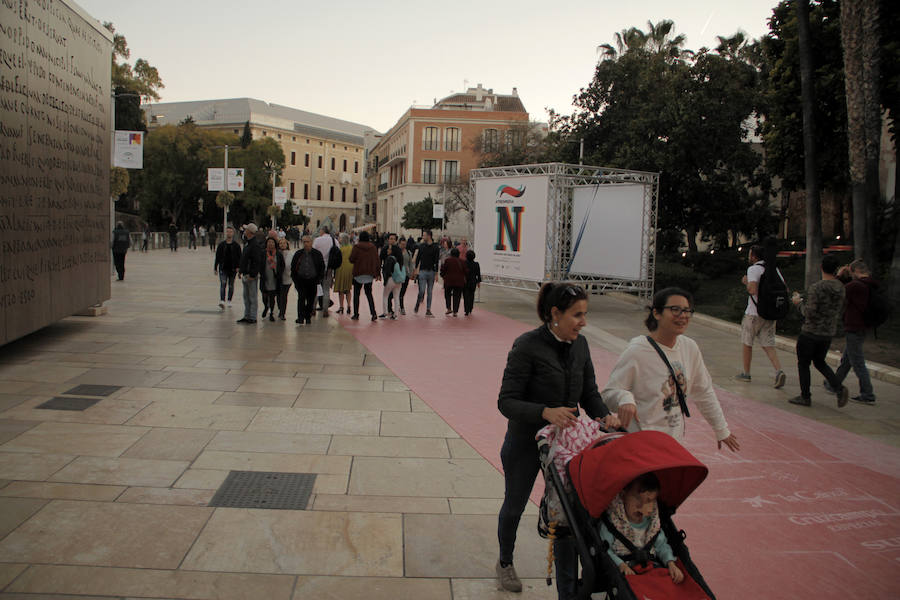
(76, 438)
(265, 461)
(299, 542)
(106, 534)
(62, 491)
(371, 588)
(271, 384)
(31, 467)
(389, 446)
(285, 443)
(13, 511)
(354, 400)
(176, 414)
(198, 381)
(122, 471)
(316, 420)
(415, 424)
(431, 477)
(170, 444)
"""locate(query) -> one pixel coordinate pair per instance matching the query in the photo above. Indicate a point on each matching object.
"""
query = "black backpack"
(878, 309)
(335, 257)
(773, 297)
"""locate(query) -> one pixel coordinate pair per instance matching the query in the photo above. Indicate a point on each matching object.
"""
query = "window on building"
(451, 171)
(236, 131)
(332, 163)
(490, 141)
(320, 161)
(318, 192)
(356, 166)
(306, 160)
(279, 136)
(293, 158)
(331, 193)
(292, 189)
(293, 138)
(345, 165)
(514, 139)
(430, 138)
(343, 194)
(374, 210)
(306, 191)
(429, 171)
(264, 132)
(367, 210)
(451, 139)
(354, 195)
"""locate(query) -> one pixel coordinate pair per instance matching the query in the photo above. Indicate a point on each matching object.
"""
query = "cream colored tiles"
(153, 495)
(416, 424)
(371, 588)
(253, 399)
(263, 461)
(13, 511)
(170, 444)
(10, 429)
(76, 438)
(271, 384)
(316, 420)
(377, 400)
(332, 369)
(457, 478)
(106, 534)
(122, 471)
(31, 467)
(285, 443)
(62, 491)
(321, 358)
(39, 373)
(110, 411)
(201, 479)
(460, 448)
(121, 376)
(199, 381)
(354, 384)
(389, 447)
(486, 589)
(299, 542)
(172, 413)
(152, 583)
(180, 395)
(386, 504)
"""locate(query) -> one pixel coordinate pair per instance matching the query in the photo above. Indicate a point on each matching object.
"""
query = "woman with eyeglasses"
(649, 391)
(548, 374)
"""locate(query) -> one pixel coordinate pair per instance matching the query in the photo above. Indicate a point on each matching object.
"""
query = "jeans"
(853, 358)
(521, 464)
(426, 279)
(813, 350)
(357, 286)
(251, 298)
(226, 280)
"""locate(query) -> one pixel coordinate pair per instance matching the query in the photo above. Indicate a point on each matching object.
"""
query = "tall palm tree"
(813, 201)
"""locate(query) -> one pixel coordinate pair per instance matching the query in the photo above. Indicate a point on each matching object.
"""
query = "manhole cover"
(62, 403)
(199, 311)
(93, 390)
(255, 489)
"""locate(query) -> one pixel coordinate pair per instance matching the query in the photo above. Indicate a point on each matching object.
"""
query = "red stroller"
(597, 474)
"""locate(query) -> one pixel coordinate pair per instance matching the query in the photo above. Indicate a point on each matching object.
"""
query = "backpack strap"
(635, 554)
(678, 390)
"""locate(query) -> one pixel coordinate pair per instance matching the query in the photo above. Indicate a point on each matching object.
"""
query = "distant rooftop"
(479, 98)
(237, 111)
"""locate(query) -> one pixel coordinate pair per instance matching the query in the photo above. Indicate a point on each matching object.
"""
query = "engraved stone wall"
(54, 163)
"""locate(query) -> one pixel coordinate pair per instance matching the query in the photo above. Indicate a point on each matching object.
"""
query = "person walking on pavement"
(228, 260)
(284, 284)
(343, 277)
(426, 265)
(121, 241)
(753, 326)
(192, 237)
(364, 257)
(270, 277)
(408, 268)
(858, 292)
(173, 237)
(307, 270)
(821, 309)
(250, 266)
(145, 237)
(212, 238)
(324, 243)
(453, 274)
(392, 250)
(473, 282)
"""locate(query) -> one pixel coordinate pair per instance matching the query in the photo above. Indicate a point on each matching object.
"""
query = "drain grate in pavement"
(93, 390)
(199, 311)
(255, 489)
(62, 403)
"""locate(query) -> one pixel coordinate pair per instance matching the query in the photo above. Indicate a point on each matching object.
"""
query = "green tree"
(523, 143)
(417, 215)
(258, 160)
(131, 84)
(246, 136)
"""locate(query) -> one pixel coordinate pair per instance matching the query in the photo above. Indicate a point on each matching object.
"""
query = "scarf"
(638, 537)
(270, 258)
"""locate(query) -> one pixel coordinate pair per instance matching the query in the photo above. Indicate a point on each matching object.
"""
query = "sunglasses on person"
(679, 310)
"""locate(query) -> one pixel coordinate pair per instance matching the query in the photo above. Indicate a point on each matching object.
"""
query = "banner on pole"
(235, 180)
(280, 196)
(215, 180)
(309, 212)
(297, 209)
(437, 211)
(129, 149)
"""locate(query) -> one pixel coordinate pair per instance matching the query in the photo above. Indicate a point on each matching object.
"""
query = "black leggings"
(812, 350)
(282, 298)
(269, 297)
(368, 288)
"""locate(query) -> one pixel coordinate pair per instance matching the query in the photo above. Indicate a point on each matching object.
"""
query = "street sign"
(215, 180)
(129, 149)
(437, 211)
(296, 209)
(353, 219)
(280, 196)
(236, 180)
(309, 212)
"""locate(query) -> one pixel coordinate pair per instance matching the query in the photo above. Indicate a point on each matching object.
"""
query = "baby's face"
(638, 506)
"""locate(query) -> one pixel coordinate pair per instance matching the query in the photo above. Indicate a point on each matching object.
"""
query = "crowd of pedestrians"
(268, 268)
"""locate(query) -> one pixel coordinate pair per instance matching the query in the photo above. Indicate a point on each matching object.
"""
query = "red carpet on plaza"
(805, 510)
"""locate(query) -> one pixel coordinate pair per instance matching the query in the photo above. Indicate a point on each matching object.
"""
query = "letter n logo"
(505, 224)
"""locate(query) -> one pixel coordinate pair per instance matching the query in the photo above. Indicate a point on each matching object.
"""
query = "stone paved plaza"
(112, 500)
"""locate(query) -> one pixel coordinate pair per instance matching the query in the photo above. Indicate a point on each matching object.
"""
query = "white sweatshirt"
(642, 378)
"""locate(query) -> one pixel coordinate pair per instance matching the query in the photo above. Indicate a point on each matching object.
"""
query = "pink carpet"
(805, 510)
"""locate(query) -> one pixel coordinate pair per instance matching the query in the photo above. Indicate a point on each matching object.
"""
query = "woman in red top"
(453, 273)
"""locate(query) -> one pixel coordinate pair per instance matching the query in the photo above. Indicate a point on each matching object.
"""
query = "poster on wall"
(129, 149)
(607, 221)
(511, 226)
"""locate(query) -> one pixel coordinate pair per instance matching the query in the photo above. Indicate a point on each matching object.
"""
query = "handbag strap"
(678, 390)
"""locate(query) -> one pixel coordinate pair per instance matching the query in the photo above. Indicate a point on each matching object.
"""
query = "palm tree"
(813, 201)
(657, 40)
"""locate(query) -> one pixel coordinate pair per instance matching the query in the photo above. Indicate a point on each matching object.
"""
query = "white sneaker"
(221, 305)
(229, 304)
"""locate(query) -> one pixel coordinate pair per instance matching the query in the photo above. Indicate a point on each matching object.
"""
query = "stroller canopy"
(602, 470)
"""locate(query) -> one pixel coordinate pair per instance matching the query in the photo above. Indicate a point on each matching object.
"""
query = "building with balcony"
(325, 158)
(431, 148)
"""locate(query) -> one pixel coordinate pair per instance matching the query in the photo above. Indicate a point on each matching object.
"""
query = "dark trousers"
(812, 350)
(226, 278)
(282, 298)
(468, 300)
(269, 298)
(173, 243)
(452, 296)
(402, 292)
(306, 298)
(521, 464)
(119, 260)
(357, 286)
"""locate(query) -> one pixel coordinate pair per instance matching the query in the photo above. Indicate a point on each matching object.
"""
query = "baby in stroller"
(632, 529)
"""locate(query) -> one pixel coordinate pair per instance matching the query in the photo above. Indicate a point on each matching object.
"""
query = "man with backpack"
(331, 254)
(866, 308)
(768, 300)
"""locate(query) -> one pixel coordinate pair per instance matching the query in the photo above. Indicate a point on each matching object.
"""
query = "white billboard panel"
(215, 180)
(280, 195)
(129, 149)
(511, 226)
(235, 180)
(607, 221)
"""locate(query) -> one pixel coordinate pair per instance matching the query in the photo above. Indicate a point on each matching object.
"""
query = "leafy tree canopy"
(131, 84)
(417, 215)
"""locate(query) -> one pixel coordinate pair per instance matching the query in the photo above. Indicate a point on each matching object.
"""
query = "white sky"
(368, 61)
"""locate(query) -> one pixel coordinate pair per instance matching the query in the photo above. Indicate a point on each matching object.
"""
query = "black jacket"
(318, 261)
(279, 271)
(542, 372)
(428, 257)
(228, 257)
(121, 241)
(252, 258)
(473, 274)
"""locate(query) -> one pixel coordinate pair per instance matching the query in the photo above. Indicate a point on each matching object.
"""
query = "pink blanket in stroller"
(566, 443)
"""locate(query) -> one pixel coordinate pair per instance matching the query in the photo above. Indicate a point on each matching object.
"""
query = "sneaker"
(308, 322)
(402, 311)
(862, 400)
(743, 377)
(244, 320)
(779, 380)
(800, 401)
(416, 309)
(843, 396)
(428, 313)
(448, 312)
(271, 317)
(222, 305)
(229, 304)
(382, 316)
(354, 318)
(828, 387)
(508, 578)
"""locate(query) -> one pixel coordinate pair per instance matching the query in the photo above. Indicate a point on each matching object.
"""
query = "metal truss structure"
(563, 178)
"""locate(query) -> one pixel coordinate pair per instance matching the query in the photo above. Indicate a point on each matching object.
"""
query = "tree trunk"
(860, 41)
(691, 239)
(813, 201)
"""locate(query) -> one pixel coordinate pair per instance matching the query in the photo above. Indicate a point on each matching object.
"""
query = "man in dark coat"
(121, 240)
(250, 267)
(307, 271)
